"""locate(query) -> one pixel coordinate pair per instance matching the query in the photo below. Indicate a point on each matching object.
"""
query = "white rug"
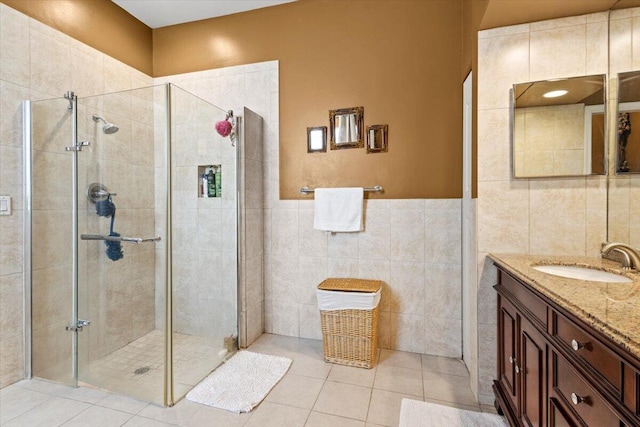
(241, 382)
(414, 413)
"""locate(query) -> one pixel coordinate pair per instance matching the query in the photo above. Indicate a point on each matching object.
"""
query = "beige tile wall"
(536, 216)
(545, 140)
(411, 245)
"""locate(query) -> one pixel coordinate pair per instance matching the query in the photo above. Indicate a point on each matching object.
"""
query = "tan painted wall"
(404, 62)
(400, 59)
(100, 24)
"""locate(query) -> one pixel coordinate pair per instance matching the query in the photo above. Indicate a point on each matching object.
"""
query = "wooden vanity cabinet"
(521, 386)
(554, 370)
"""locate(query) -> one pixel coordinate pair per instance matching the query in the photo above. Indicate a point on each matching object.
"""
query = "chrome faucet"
(630, 256)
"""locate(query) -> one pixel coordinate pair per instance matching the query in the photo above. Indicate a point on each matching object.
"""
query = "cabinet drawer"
(534, 304)
(566, 383)
(588, 348)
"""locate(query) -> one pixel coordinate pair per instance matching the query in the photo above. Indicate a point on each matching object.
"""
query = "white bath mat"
(414, 413)
(241, 382)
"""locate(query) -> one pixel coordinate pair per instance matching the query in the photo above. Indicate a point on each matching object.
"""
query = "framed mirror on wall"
(346, 128)
(558, 127)
(377, 138)
(317, 139)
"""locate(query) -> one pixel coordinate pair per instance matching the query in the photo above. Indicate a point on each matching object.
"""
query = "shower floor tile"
(138, 368)
(377, 393)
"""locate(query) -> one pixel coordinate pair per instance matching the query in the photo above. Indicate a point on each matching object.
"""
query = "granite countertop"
(610, 308)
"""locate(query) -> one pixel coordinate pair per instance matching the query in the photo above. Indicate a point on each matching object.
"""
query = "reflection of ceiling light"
(555, 93)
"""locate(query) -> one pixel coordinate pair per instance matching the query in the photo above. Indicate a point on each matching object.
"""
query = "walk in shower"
(131, 268)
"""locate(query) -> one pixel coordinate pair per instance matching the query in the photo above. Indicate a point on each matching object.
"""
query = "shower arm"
(136, 240)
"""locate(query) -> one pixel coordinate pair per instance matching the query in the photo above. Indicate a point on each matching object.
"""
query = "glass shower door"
(49, 265)
(122, 187)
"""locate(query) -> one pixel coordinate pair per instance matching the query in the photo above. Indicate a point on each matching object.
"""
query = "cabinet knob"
(511, 360)
(578, 399)
(576, 345)
(517, 369)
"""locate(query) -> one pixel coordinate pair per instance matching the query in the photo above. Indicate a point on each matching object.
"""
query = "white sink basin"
(582, 273)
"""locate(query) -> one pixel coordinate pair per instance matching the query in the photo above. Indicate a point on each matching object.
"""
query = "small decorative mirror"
(377, 138)
(346, 128)
(317, 139)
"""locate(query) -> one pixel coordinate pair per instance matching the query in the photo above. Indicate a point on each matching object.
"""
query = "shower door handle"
(78, 326)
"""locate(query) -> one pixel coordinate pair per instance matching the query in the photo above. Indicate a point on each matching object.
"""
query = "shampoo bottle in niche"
(204, 185)
(211, 183)
(218, 177)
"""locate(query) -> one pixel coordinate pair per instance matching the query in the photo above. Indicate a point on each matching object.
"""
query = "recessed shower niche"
(210, 181)
(152, 323)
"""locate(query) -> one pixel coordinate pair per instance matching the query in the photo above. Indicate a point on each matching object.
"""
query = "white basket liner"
(340, 300)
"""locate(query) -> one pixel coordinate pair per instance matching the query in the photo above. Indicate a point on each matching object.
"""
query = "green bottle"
(218, 177)
(211, 183)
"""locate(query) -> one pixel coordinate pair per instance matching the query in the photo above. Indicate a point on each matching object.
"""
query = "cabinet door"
(532, 365)
(507, 351)
(557, 416)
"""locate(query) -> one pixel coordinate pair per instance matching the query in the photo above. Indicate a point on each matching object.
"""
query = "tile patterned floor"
(194, 358)
(312, 394)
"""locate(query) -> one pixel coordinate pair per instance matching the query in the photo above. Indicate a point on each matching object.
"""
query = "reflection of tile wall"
(548, 140)
(40, 63)
(536, 216)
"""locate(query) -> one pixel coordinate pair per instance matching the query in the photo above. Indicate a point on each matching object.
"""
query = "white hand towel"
(338, 209)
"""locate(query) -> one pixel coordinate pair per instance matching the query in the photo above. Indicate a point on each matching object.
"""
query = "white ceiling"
(161, 13)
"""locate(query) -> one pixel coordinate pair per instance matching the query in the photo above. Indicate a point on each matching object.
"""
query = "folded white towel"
(338, 209)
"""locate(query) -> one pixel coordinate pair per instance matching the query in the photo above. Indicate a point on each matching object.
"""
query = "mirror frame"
(359, 113)
(310, 131)
(380, 142)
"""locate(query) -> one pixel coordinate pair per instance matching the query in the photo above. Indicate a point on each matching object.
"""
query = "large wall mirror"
(558, 127)
(628, 136)
(623, 190)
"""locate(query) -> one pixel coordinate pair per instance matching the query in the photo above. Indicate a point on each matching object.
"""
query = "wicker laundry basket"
(350, 335)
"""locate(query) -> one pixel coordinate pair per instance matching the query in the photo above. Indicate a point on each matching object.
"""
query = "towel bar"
(376, 189)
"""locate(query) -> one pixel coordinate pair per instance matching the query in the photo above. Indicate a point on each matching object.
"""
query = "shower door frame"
(26, 225)
(75, 147)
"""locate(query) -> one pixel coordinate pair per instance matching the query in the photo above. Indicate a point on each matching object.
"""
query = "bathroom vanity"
(568, 351)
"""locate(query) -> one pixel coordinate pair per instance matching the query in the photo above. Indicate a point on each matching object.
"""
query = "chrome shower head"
(108, 128)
